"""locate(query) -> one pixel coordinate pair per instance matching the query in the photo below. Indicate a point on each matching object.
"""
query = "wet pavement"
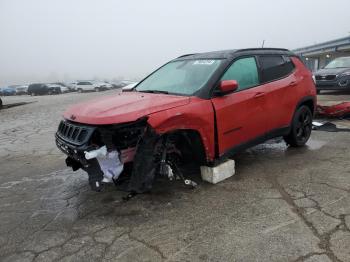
(283, 204)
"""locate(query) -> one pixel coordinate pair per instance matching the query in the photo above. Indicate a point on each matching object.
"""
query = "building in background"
(319, 55)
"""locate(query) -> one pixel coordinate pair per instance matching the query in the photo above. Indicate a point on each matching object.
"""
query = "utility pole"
(263, 43)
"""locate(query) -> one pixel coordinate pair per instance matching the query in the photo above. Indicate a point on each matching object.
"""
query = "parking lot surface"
(283, 204)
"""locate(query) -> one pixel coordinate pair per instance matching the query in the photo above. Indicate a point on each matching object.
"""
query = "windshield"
(180, 77)
(339, 63)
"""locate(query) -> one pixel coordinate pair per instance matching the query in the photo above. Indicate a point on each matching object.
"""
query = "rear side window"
(244, 71)
(275, 67)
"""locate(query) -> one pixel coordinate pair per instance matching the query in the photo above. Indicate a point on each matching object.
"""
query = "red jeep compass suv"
(200, 107)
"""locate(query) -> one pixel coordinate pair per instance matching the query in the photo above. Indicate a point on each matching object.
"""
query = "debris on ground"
(340, 110)
(328, 127)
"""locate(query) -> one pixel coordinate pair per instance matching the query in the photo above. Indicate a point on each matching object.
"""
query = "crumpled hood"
(123, 107)
(332, 71)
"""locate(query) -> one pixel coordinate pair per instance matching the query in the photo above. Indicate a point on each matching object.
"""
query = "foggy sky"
(47, 40)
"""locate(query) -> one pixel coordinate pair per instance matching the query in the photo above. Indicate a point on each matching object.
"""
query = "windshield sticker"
(203, 62)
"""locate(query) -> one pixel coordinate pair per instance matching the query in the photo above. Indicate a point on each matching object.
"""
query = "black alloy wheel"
(301, 127)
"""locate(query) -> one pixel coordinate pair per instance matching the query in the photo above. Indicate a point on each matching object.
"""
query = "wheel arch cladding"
(309, 102)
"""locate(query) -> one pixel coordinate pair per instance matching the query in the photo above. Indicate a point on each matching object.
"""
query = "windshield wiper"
(154, 91)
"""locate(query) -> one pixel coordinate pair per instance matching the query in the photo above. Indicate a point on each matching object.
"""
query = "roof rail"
(264, 48)
(186, 55)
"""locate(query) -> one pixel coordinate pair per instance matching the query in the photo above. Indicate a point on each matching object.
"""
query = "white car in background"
(129, 87)
(103, 86)
(63, 89)
(84, 86)
(72, 86)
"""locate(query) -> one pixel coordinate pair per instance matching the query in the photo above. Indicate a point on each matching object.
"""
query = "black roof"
(234, 52)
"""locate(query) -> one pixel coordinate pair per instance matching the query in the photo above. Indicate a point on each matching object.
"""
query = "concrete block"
(218, 173)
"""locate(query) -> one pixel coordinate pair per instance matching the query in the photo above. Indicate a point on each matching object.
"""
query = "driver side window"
(244, 71)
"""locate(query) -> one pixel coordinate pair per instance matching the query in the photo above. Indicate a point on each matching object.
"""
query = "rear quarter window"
(275, 67)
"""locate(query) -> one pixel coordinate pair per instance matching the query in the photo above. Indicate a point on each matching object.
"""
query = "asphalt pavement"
(283, 204)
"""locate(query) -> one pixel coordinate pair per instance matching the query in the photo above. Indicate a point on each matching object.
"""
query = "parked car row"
(59, 87)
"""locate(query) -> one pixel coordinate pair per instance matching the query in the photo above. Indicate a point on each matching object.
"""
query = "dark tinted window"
(275, 67)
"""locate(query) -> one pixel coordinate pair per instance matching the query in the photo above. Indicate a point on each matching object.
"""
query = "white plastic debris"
(110, 165)
(109, 162)
(102, 151)
(218, 173)
(315, 123)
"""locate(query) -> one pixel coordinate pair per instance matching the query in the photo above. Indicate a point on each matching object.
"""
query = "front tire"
(301, 127)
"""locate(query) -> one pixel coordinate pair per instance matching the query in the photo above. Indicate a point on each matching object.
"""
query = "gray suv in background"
(334, 76)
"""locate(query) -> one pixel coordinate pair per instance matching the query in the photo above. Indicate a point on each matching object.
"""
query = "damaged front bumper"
(74, 139)
(134, 142)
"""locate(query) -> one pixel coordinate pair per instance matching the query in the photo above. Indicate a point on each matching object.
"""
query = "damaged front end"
(76, 140)
(133, 143)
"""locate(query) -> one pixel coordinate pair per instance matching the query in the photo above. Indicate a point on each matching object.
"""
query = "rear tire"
(301, 127)
(80, 90)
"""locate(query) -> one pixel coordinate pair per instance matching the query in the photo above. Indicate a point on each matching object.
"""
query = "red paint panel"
(197, 115)
(240, 117)
(281, 100)
(338, 110)
(121, 108)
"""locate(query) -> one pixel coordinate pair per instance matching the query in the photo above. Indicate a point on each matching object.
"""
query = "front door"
(240, 115)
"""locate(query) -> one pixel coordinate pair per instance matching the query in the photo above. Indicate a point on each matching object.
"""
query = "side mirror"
(227, 86)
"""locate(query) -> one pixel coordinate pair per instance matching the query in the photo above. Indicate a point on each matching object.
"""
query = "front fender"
(198, 115)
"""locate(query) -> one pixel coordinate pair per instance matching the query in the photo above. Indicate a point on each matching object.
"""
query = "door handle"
(293, 83)
(259, 94)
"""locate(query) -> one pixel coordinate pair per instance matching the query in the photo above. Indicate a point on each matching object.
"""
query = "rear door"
(280, 84)
(240, 116)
